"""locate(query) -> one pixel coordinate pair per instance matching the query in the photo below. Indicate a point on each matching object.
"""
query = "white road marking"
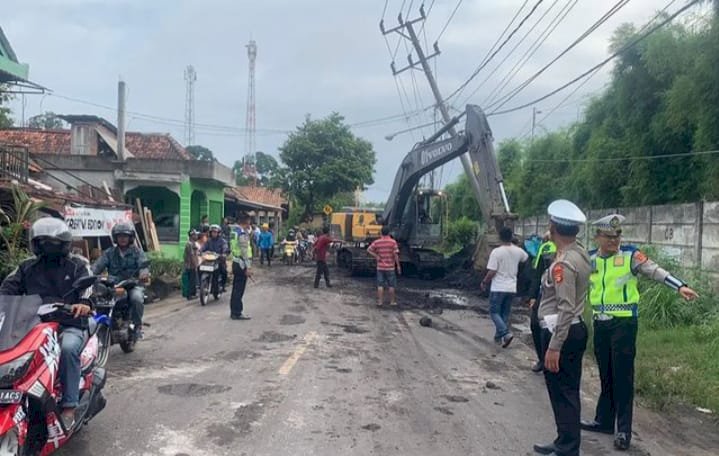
(309, 338)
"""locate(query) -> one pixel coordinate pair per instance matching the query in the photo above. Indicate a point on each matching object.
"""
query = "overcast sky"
(315, 57)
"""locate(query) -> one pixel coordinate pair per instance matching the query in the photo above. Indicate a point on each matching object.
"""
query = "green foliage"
(461, 232)
(201, 153)
(461, 200)
(46, 121)
(663, 98)
(323, 158)
(14, 219)
(162, 265)
(5, 113)
(9, 261)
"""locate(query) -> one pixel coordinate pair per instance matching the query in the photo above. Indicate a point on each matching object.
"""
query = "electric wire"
(504, 43)
(623, 49)
(513, 93)
(621, 159)
(451, 16)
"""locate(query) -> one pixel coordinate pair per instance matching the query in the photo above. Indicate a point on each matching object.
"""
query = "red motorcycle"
(30, 388)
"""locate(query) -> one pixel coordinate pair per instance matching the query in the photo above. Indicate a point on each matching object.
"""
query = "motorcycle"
(209, 276)
(289, 254)
(30, 389)
(303, 249)
(112, 313)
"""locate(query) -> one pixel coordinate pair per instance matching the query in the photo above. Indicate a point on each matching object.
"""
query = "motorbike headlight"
(14, 370)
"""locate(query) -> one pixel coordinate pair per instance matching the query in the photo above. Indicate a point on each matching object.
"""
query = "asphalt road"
(320, 373)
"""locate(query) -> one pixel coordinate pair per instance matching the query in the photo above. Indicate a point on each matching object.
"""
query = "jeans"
(266, 253)
(386, 279)
(322, 269)
(500, 306)
(239, 283)
(136, 297)
(72, 341)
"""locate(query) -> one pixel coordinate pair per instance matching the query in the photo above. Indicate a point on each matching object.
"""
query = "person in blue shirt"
(217, 244)
(266, 242)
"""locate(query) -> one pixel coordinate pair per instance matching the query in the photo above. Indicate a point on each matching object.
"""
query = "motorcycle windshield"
(18, 315)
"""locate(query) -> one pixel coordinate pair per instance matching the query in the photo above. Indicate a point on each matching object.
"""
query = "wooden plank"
(152, 231)
(143, 221)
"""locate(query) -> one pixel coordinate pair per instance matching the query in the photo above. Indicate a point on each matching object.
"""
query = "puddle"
(192, 389)
(272, 336)
(292, 320)
(239, 426)
(444, 411)
(372, 427)
(456, 399)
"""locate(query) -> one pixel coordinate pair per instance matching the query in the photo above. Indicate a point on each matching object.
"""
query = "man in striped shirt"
(386, 252)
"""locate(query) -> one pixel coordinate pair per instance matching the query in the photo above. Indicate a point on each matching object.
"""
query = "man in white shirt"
(502, 271)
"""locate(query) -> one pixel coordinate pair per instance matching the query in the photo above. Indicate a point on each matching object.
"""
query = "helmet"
(123, 229)
(266, 226)
(193, 232)
(50, 237)
(215, 227)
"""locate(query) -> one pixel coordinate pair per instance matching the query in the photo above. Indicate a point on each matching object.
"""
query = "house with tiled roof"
(154, 168)
(264, 205)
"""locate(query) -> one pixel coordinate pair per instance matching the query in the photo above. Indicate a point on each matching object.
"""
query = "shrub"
(461, 232)
(9, 261)
(165, 266)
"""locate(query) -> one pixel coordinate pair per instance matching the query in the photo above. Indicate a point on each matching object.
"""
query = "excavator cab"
(429, 211)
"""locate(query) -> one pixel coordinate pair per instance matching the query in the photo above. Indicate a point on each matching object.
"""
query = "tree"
(5, 119)
(323, 158)
(200, 153)
(47, 121)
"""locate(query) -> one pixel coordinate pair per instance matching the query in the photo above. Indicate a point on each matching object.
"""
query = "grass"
(678, 342)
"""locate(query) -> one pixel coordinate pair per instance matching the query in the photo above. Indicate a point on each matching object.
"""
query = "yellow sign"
(328, 209)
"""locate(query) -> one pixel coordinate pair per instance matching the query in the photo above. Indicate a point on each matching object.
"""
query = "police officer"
(122, 262)
(241, 263)
(564, 334)
(51, 275)
(544, 258)
(614, 297)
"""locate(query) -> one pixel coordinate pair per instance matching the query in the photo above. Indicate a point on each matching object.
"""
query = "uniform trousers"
(615, 347)
(563, 388)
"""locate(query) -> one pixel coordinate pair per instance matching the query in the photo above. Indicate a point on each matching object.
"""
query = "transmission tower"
(190, 78)
(250, 125)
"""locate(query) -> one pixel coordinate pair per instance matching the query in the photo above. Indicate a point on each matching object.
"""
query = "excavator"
(417, 216)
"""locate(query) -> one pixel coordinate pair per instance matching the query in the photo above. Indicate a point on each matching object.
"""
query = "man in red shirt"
(386, 252)
(321, 246)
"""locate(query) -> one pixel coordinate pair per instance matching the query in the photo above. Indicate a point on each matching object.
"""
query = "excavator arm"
(476, 139)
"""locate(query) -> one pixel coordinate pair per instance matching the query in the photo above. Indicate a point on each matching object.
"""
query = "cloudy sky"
(315, 57)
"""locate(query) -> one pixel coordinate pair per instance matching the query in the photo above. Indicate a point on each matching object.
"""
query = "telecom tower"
(250, 125)
(190, 78)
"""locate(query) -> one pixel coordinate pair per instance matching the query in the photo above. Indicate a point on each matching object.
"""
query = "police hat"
(564, 212)
(611, 224)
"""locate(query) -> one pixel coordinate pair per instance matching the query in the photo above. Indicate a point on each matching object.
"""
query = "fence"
(14, 163)
(687, 232)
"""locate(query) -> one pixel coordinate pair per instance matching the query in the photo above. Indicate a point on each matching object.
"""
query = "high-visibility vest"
(547, 248)
(613, 289)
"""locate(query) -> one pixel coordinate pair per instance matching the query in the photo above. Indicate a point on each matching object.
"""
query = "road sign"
(328, 209)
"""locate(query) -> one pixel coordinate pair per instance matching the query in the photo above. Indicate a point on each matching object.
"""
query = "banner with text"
(90, 222)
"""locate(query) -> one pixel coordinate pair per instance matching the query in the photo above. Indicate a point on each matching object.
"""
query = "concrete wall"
(687, 232)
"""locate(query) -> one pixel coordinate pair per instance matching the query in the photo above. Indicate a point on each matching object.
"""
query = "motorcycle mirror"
(84, 282)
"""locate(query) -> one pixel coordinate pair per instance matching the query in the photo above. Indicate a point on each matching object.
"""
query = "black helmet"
(50, 237)
(123, 228)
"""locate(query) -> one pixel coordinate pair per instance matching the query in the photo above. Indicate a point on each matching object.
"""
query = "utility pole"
(535, 111)
(408, 26)
(121, 120)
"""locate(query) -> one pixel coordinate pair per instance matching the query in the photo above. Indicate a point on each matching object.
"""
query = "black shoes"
(545, 449)
(240, 317)
(593, 426)
(538, 367)
(506, 340)
(621, 441)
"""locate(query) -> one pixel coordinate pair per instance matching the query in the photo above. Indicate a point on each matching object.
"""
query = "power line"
(601, 64)
(529, 53)
(620, 159)
(617, 6)
(509, 54)
(451, 16)
(499, 38)
(486, 62)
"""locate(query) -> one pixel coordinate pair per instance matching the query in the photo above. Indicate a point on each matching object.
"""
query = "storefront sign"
(90, 222)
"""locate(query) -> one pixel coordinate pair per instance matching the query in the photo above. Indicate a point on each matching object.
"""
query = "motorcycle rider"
(51, 274)
(217, 244)
(122, 262)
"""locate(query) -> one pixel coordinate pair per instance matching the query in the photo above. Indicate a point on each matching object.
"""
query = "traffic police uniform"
(564, 291)
(614, 297)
